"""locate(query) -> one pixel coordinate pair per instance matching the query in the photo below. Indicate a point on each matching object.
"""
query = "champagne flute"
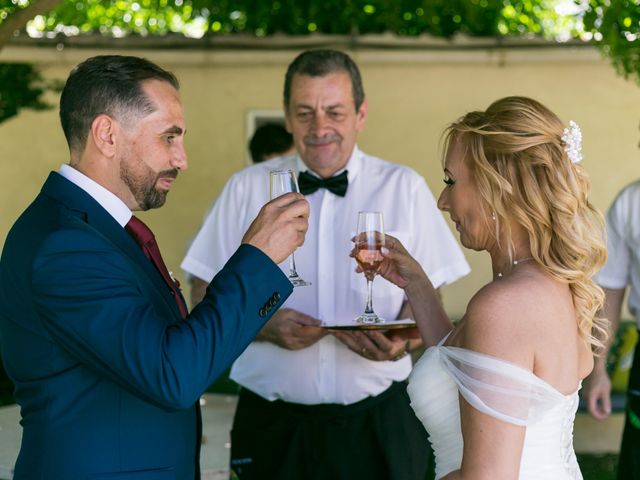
(281, 182)
(369, 241)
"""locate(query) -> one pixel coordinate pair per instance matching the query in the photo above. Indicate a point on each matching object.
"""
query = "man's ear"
(103, 134)
(287, 122)
(361, 115)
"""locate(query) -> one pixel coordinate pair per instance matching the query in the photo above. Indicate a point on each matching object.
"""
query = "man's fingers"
(295, 205)
(346, 339)
(286, 199)
(366, 341)
(404, 334)
(294, 316)
(299, 208)
(380, 341)
(592, 406)
(307, 321)
(280, 227)
(356, 341)
(598, 412)
(599, 405)
(289, 205)
(605, 405)
(300, 224)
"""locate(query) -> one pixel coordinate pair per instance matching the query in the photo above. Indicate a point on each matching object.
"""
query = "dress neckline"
(493, 358)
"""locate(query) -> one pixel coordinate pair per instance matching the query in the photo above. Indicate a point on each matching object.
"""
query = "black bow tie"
(310, 183)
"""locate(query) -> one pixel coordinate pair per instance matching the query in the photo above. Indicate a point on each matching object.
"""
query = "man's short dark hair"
(269, 139)
(106, 84)
(318, 63)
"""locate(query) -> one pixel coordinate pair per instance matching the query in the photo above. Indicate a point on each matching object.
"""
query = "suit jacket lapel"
(74, 198)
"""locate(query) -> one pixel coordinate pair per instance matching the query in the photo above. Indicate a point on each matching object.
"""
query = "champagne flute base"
(296, 281)
(369, 318)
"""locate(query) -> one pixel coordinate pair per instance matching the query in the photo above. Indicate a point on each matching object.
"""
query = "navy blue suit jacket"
(107, 373)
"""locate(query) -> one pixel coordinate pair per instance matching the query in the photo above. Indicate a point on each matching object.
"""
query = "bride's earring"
(493, 216)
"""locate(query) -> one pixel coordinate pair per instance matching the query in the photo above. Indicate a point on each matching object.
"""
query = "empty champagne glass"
(281, 182)
(369, 241)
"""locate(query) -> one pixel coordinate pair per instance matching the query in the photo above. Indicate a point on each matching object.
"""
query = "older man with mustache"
(316, 403)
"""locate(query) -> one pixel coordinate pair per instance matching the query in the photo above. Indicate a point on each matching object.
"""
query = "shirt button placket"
(326, 293)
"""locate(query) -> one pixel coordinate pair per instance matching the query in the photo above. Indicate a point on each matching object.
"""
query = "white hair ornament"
(572, 138)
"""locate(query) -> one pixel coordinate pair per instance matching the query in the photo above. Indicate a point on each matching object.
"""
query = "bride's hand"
(398, 266)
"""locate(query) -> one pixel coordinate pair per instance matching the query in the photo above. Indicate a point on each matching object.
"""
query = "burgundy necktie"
(147, 241)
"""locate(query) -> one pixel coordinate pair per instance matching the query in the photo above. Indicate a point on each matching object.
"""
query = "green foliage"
(441, 18)
(197, 18)
(7, 7)
(21, 86)
(615, 26)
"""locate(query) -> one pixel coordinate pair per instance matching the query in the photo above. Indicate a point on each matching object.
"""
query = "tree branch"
(18, 19)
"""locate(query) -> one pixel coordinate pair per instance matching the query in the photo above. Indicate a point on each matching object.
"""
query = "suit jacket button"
(262, 312)
(276, 296)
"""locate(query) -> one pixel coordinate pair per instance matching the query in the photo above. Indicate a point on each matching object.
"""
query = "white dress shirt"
(107, 200)
(327, 371)
(623, 244)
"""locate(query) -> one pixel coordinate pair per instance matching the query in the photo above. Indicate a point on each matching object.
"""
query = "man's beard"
(143, 184)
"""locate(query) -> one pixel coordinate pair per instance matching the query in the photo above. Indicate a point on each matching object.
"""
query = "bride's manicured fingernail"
(384, 250)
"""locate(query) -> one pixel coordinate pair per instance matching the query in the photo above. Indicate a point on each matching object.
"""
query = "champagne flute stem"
(292, 267)
(369, 308)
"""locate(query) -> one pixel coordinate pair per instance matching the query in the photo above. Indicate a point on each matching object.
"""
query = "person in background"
(315, 404)
(620, 273)
(107, 364)
(270, 140)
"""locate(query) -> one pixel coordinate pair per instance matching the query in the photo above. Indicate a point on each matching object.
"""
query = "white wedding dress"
(503, 390)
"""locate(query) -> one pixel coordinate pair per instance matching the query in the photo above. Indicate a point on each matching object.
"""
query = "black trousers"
(629, 461)
(378, 438)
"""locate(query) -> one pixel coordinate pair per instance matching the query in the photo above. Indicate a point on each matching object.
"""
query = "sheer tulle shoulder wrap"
(498, 388)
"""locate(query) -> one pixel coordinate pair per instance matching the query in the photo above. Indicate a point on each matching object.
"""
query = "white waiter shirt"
(623, 243)
(327, 371)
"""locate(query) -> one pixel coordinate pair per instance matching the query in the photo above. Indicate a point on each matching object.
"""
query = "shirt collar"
(352, 166)
(107, 200)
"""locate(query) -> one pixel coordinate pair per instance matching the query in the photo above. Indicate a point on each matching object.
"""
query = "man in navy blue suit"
(108, 367)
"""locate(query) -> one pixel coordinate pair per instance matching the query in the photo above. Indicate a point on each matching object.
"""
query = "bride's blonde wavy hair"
(517, 159)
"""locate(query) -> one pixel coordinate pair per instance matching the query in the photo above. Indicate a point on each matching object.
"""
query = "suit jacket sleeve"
(99, 307)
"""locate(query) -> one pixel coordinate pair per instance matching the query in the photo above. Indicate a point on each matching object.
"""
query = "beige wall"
(412, 96)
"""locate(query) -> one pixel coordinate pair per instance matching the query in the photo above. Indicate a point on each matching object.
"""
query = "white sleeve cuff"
(196, 269)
